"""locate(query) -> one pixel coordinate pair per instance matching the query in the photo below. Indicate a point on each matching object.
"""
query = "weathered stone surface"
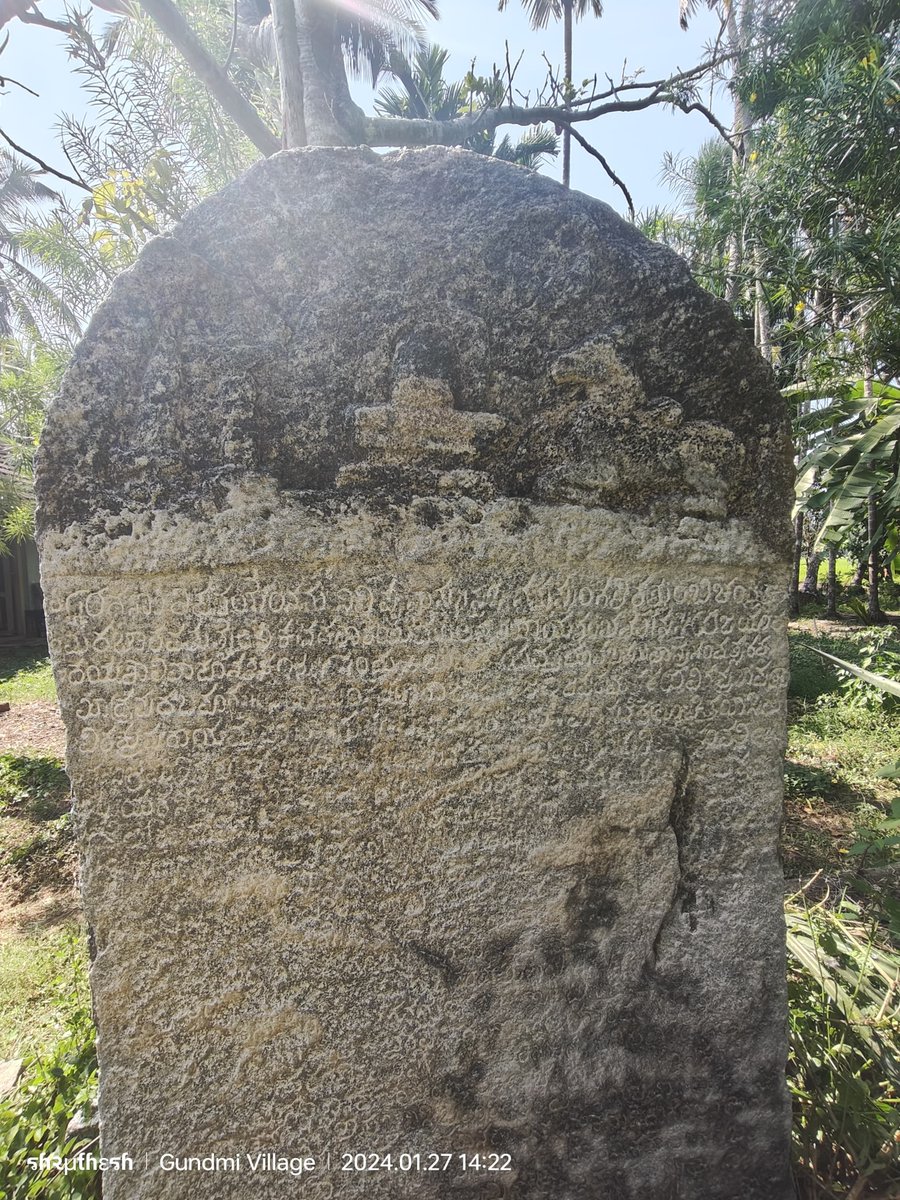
(414, 540)
(10, 1071)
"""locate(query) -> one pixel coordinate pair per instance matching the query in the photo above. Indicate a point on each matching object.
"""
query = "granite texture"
(414, 539)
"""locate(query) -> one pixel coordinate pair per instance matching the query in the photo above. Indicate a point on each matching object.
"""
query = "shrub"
(843, 970)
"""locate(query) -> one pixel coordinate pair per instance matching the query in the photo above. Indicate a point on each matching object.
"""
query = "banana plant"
(854, 455)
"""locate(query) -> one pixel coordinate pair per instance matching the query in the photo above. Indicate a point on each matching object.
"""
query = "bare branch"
(5, 79)
(79, 183)
(78, 174)
(172, 23)
(586, 145)
(696, 106)
(35, 18)
(616, 89)
(403, 131)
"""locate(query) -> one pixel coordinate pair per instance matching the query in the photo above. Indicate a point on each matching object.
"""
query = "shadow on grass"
(14, 659)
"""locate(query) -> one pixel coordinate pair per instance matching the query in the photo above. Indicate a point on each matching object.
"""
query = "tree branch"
(79, 183)
(5, 79)
(407, 131)
(241, 111)
(586, 145)
(616, 89)
(696, 106)
(35, 18)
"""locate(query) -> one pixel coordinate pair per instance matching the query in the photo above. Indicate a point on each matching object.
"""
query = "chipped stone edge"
(259, 524)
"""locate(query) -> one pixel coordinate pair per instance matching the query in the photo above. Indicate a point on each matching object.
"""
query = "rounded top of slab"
(429, 323)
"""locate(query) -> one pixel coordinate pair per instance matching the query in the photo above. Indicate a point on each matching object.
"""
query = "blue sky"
(643, 33)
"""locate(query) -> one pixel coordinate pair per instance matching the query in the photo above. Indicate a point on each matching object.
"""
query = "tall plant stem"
(798, 558)
(567, 55)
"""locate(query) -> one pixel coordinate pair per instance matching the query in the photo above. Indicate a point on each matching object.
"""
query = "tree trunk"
(798, 555)
(832, 610)
(761, 307)
(567, 55)
(290, 75)
(810, 585)
(738, 39)
(331, 117)
(876, 616)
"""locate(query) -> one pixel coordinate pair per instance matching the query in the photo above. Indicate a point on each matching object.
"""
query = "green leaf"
(879, 681)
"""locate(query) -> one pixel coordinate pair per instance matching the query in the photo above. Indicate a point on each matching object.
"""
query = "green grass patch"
(33, 785)
(30, 1014)
(833, 794)
(25, 674)
(844, 928)
(36, 835)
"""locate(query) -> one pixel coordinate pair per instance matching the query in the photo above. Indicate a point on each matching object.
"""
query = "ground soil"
(35, 726)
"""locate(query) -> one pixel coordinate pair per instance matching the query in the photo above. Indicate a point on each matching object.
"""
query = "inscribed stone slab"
(414, 539)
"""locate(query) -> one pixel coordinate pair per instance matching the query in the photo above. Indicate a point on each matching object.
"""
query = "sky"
(644, 34)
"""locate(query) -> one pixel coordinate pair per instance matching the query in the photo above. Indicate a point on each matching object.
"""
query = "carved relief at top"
(420, 429)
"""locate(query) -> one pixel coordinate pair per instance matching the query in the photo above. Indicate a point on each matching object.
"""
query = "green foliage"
(427, 94)
(29, 377)
(843, 928)
(878, 836)
(35, 786)
(29, 966)
(58, 1083)
(812, 676)
(854, 454)
(844, 1064)
(25, 295)
(874, 681)
(25, 674)
(154, 145)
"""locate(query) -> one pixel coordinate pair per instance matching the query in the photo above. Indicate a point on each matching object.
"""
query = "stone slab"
(414, 541)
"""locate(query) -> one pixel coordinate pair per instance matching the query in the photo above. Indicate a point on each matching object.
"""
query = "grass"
(59, 1082)
(36, 837)
(844, 569)
(30, 1017)
(840, 736)
(25, 674)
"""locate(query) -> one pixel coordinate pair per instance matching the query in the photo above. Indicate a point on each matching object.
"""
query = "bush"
(843, 968)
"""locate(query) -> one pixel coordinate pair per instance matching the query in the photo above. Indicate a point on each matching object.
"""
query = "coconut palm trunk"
(567, 56)
(290, 74)
(539, 13)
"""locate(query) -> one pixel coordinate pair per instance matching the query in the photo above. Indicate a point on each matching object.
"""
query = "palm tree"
(539, 13)
(427, 95)
(314, 39)
(24, 292)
